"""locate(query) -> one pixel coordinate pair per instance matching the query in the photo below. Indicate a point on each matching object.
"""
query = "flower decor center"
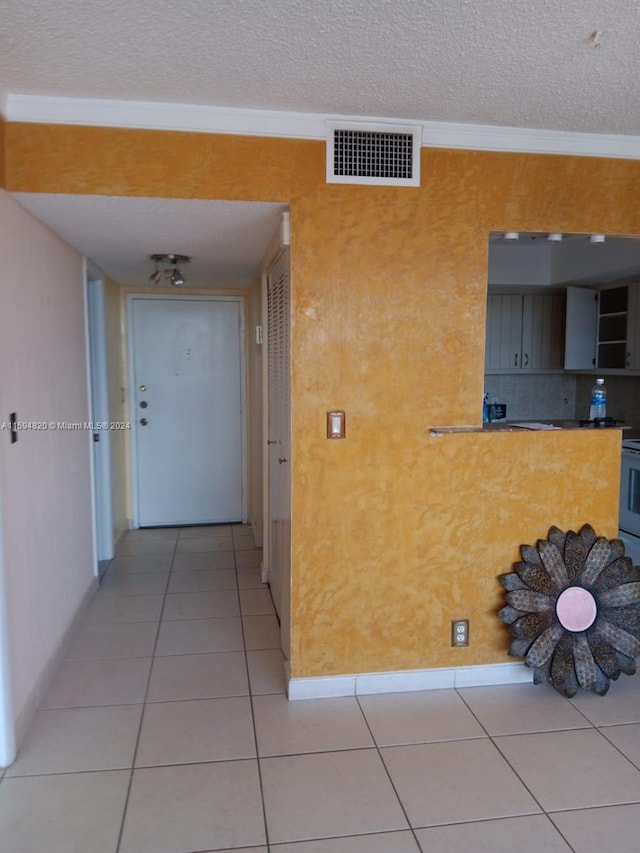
(576, 609)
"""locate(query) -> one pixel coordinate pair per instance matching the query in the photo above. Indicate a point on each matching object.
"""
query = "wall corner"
(3, 182)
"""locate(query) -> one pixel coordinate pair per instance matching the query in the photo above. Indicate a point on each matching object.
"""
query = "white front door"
(187, 409)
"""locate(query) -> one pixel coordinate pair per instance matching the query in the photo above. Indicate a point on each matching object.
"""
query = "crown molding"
(148, 115)
(482, 137)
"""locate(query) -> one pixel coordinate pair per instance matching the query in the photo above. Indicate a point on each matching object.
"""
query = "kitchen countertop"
(512, 426)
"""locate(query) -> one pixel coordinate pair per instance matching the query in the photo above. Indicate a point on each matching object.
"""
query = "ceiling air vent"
(381, 154)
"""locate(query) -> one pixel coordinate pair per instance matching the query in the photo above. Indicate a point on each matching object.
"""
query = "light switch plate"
(336, 424)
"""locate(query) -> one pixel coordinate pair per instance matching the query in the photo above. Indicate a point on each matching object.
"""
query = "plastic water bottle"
(598, 401)
(485, 408)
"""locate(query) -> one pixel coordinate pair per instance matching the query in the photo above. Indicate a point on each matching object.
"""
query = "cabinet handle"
(628, 359)
(515, 360)
(526, 359)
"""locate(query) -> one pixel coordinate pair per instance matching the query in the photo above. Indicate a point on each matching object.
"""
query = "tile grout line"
(615, 746)
(253, 715)
(144, 702)
(535, 799)
(543, 811)
(506, 760)
(386, 770)
(590, 726)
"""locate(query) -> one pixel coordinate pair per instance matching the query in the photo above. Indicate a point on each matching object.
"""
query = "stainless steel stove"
(600, 423)
(630, 498)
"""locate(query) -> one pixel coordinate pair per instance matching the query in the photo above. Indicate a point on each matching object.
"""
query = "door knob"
(143, 421)
(280, 461)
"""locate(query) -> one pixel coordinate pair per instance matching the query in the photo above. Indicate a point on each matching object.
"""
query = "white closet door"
(279, 372)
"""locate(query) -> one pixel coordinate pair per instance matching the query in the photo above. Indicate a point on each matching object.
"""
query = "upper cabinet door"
(524, 332)
(504, 332)
(581, 329)
(542, 331)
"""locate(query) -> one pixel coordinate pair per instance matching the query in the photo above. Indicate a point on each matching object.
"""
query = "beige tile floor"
(167, 730)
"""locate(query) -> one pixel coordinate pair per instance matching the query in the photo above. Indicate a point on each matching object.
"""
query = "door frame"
(280, 243)
(7, 721)
(184, 297)
(98, 390)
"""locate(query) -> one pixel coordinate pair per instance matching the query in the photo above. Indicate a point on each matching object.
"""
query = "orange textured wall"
(394, 533)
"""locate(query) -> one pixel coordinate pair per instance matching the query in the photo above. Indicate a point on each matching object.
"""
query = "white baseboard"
(407, 680)
(34, 700)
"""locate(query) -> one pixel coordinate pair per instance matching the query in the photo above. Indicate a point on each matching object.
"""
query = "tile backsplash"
(536, 396)
(563, 396)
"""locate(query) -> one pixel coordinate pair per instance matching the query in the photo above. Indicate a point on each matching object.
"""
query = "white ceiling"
(533, 261)
(226, 240)
(514, 63)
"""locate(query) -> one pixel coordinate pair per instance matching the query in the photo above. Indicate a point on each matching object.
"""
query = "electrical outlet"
(460, 632)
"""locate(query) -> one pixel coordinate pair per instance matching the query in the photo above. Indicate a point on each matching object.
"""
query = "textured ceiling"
(506, 62)
(227, 240)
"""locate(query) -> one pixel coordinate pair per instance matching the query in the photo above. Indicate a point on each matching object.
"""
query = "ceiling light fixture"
(511, 235)
(172, 273)
(597, 238)
(554, 237)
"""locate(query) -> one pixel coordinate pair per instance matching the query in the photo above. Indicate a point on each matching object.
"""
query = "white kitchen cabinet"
(504, 332)
(524, 332)
(542, 331)
(581, 329)
(633, 327)
(603, 328)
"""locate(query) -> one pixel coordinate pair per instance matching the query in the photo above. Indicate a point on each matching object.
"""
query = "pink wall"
(48, 554)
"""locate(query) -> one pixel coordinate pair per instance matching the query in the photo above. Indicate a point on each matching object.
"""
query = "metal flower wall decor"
(573, 608)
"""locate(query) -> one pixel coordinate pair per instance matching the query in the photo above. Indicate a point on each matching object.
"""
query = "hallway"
(167, 730)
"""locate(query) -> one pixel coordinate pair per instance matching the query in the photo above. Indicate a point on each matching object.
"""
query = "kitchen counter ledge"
(512, 426)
